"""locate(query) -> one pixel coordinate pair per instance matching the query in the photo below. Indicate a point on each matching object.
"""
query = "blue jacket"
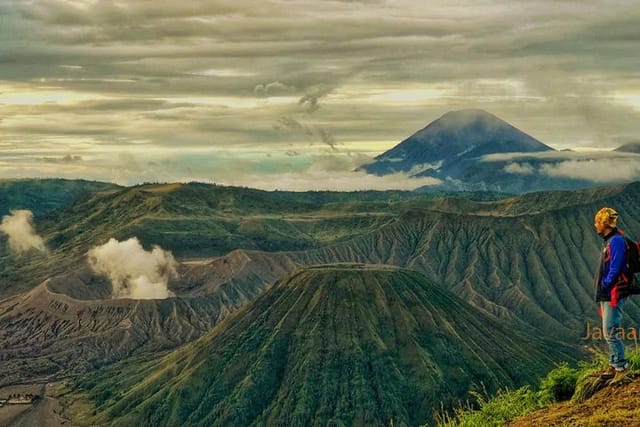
(613, 264)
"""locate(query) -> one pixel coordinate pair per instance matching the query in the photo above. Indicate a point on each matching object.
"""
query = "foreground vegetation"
(562, 384)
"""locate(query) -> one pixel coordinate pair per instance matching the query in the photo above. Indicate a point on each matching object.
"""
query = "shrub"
(559, 384)
(496, 411)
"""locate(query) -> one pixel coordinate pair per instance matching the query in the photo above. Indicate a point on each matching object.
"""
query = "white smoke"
(18, 225)
(134, 272)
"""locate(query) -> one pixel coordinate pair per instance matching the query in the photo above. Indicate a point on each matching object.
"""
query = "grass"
(564, 383)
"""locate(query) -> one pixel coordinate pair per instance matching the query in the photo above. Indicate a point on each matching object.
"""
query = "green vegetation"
(564, 383)
(341, 345)
(191, 220)
(356, 347)
(42, 196)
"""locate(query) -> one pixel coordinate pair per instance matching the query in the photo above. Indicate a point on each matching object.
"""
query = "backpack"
(633, 265)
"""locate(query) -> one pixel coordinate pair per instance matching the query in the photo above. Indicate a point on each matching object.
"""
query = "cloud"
(595, 166)
(18, 225)
(318, 179)
(134, 272)
(331, 171)
(600, 171)
(220, 73)
(552, 156)
(272, 88)
(519, 168)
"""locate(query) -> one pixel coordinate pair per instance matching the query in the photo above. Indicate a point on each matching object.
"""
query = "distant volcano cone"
(453, 138)
(333, 345)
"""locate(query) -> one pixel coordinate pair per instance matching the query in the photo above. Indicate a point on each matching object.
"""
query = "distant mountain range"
(473, 150)
(505, 257)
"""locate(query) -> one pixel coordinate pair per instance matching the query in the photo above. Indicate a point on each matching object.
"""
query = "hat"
(607, 216)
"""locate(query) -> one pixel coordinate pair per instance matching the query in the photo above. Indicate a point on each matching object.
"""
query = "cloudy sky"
(296, 93)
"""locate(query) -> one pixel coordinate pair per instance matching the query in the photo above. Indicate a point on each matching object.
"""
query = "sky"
(296, 94)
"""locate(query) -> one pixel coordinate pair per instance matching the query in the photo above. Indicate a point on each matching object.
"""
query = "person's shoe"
(608, 373)
(622, 368)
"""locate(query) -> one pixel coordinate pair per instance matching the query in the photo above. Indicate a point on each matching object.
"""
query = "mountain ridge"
(502, 261)
(500, 256)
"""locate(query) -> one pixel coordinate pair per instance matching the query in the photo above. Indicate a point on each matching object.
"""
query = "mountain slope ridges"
(350, 344)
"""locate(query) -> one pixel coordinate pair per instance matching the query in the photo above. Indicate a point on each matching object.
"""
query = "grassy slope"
(565, 397)
(190, 220)
(338, 345)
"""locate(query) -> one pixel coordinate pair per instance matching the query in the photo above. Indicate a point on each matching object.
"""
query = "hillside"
(578, 396)
(534, 267)
(345, 344)
(43, 196)
(70, 324)
(200, 220)
(193, 220)
(506, 257)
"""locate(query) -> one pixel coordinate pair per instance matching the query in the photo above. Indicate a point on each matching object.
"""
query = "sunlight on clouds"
(469, 90)
(512, 86)
(404, 97)
(628, 99)
(234, 102)
(389, 95)
(26, 95)
(223, 72)
(317, 180)
(372, 147)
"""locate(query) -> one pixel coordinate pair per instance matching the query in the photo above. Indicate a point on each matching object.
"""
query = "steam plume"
(18, 225)
(134, 272)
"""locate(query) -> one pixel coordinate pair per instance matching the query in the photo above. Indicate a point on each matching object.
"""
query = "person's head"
(605, 221)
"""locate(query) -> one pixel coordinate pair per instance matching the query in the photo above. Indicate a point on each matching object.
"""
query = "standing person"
(611, 286)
